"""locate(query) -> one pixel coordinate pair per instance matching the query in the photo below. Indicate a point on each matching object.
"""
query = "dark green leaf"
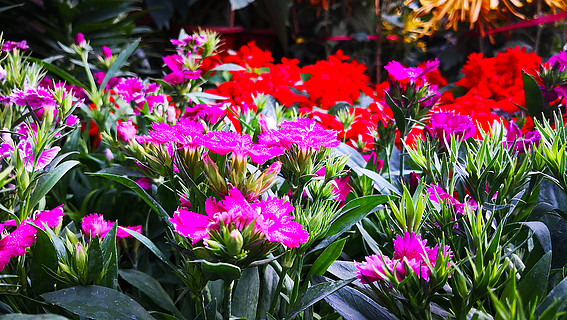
(533, 96)
(47, 182)
(44, 258)
(351, 304)
(355, 160)
(110, 254)
(246, 295)
(350, 214)
(220, 270)
(141, 192)
(557, 293)
(95, 261)
(315, 294)
(534, 283)
(20, 316)
(99, 303)
(119, 62)
(150, 287)
(153, 248)
(380, 183)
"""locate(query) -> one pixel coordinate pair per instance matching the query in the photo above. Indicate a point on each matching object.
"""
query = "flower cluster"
(236, 219)
(410, 255)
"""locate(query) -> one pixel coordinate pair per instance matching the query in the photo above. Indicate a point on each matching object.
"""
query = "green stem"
(228, 299)
(278, 289)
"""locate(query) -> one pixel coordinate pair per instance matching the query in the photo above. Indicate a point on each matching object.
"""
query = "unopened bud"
(80, 40)
(235, 243)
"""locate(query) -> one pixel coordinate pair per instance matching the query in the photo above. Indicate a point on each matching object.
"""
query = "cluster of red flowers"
(494, 89)
(494, 86)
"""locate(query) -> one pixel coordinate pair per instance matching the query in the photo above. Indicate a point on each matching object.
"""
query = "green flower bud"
(235, 243)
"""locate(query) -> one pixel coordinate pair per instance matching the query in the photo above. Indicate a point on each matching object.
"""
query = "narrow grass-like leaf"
(47, 182)
(119, 63)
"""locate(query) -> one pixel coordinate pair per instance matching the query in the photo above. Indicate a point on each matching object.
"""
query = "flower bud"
(235, 243)
(80, 256)
(80, 40)
(217, 182)
(107, 53)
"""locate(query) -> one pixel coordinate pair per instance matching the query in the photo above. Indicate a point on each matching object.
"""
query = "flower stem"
(228, 299)
(278, 289)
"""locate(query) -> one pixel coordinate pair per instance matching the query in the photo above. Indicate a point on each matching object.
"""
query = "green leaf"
(110, 254)
(97, 302)
(44, 258)
(329, 255)
(355, 160)
(380, 183)
(351, 304)
(534, 283)
(220, 270)
(151, 288)
(557, 293)
(95, 261)
(354, 211)
(153, 248)
(398, 115)
(118, 63)
(61, 73)
(246, 295)
(47, 182)
(228, 67)
(21, 316)
(141, 192)
(315, 294)
(533, 96)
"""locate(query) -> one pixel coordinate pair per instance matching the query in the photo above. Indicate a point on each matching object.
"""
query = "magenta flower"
(437, 195)
(559, 61)
(37, 99)
(106, 52)
(80, 40)
(186, 133)
(410, 250)
(72, 120)
(211, 113)
(179, 73)
(399, 72)
(144, 183)
(94, 225)
(15, 244)
(11, 45)
(44, 159)
(271, 217)
(445, 124)
(223, 142)
(99, 77)
(132, 89)
(125, 131)
(305, 133)
(519, 142)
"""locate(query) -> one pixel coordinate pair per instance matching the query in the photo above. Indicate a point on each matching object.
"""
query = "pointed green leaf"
(141, 192)
(315, 294)
(533, 96)
(110, 256)
(119, 63)
(151, 288)
(47, 182)
(220, 270)
(44, 258)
